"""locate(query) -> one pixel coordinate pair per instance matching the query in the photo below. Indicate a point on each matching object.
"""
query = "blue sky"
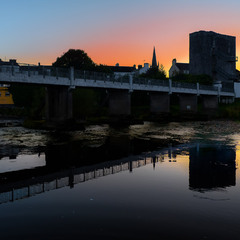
(110, 31)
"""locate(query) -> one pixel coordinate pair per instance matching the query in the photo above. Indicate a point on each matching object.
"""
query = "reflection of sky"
(110, 31)
(144, 203)
(21, 162)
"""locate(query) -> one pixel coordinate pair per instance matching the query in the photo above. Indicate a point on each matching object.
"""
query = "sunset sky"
(111, 31)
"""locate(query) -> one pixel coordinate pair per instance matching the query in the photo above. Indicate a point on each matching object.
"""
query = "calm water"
(151, 181)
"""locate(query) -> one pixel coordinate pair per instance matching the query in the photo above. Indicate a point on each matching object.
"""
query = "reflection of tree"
(9, 151)
(77, 153)
(212, 167)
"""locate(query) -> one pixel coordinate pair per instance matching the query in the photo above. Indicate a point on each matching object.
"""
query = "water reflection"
(211, 167)
(54, 160)
(72, 163)
(24, 187)
(121, 183)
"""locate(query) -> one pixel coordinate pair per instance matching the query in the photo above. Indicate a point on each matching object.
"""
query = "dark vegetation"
(155, 73)
(31, 99)
(188, 78)
(80, 61)
(230, 111)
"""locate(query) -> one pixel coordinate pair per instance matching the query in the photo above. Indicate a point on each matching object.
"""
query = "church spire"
(154, 59)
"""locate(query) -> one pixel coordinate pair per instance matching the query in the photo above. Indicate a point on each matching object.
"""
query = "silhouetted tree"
(75, 58)
(79, 60)
(202, 79)
(103, 68)
(155, 73)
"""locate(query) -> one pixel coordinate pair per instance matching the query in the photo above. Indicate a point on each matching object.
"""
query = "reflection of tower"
(71, 178)
(170, 152)
(174, 157)
(130, 166)
(212, 167)
(154, 162)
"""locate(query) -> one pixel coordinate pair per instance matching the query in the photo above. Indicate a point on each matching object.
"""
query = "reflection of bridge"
(59, 81)
(58, 173)
(43, 183)
(210, 168)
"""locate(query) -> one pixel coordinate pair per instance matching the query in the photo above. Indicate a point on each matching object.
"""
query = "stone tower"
(213, 54)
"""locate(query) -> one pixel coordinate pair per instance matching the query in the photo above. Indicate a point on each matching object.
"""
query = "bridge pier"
(188, 103)
(58, 104)
(159, 102)
(209, 102)
(227, 100)
(119, 102)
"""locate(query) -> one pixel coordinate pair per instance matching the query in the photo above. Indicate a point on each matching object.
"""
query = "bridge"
(59, 82)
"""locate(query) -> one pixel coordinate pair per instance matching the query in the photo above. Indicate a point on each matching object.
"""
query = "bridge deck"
(74, 79)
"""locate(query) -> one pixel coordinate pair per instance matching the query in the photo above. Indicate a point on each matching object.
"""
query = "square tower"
(213, 54)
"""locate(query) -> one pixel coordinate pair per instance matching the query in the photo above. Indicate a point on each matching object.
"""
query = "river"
(149, 181)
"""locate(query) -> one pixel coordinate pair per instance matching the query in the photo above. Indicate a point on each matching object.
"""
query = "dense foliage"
(201, 79)
(155, 73)
(75, 58)
(31, 98)
(79, 60)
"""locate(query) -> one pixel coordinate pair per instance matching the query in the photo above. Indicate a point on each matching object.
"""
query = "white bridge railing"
(71, 77)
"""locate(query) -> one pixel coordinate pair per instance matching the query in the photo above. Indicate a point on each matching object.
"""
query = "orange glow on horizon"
(127, 54)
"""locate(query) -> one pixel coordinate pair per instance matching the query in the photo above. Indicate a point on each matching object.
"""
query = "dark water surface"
(151, 181)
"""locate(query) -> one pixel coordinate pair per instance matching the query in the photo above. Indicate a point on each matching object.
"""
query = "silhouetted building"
(154, 59)
(143, 69)
(238, 75)
(122, 70)
(213, 54)
(10, 65)
(178, 68)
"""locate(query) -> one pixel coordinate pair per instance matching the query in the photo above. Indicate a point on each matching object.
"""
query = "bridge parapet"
(148, 81)
(80, 78)
(206, 87)
(184, 85)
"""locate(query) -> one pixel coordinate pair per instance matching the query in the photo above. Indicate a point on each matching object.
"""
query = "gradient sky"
(111, 31)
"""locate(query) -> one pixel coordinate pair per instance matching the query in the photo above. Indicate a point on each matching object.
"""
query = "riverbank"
(75, 125)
